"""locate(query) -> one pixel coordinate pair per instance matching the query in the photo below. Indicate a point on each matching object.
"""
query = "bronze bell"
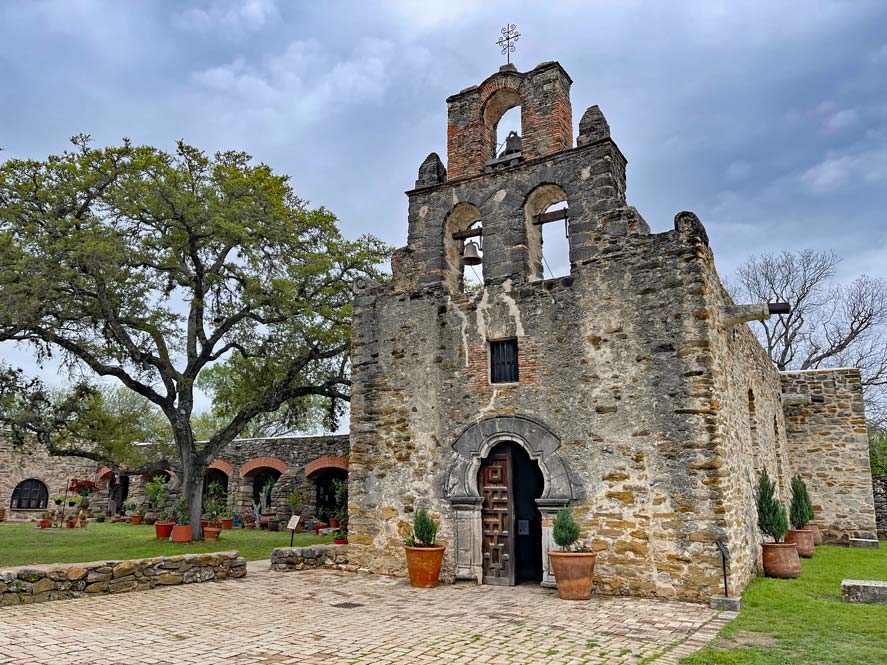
(471, 255)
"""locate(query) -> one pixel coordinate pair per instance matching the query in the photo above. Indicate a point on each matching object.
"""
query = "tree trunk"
(193, 491)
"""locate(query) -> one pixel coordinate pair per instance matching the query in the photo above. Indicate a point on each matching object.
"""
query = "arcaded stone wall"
(879, 486)
(21, 463)
(38, 584)
(828, 446)
(289, 455)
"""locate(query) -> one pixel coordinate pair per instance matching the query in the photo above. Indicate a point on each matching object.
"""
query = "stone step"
(864, 591)
(865, 543)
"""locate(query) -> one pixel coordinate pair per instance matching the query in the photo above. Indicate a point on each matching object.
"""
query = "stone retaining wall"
(315, 556)
(37, 584)
(879, 485)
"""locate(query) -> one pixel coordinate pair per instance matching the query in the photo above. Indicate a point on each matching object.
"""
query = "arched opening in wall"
(30, 494)
(261, 478)
(118, 493)
(215, 476)
(463, 249)
(546, 221)
(502, 114)
(325, 492)
(509, 482)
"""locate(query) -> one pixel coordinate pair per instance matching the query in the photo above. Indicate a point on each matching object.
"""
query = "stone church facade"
(631, 390)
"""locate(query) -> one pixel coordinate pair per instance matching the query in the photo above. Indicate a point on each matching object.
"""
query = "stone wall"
(284, 559)
(18, 464)
(239, 462)
(828, 446)
(37, 584)
(879, 486)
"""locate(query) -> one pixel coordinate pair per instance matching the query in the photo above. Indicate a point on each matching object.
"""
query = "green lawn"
(22, 544)
(803, 621)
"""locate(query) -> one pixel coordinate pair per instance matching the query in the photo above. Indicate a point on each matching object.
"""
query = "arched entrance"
(464, 484)
(509, 483)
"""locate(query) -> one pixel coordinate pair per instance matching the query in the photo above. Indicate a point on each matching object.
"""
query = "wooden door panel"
(497, 517)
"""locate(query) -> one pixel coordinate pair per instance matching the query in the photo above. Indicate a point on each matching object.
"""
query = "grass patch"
(22, 544)
(803, 621)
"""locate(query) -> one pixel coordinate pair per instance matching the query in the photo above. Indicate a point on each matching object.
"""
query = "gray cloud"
(769, 119)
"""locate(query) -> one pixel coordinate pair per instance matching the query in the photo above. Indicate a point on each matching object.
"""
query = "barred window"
(503, 361)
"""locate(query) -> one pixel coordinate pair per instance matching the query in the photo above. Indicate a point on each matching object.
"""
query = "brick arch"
(325, 462)
(260, 462)
(222, 466)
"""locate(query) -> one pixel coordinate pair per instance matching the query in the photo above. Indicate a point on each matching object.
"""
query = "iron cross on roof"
(506, 41)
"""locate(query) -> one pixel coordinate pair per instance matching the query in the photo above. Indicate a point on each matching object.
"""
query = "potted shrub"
(157, 492)
(780, 559)
(58, 500)
(800, 512)
(424, 556)
(163, 526)
(138, 515)
(248, 517)
(227, 520)
(72, 501)
(340, 537)
(181, 531)
(45, 520)
(212, 532)
(263, 507)
(273, 523)
(340, 512)
(294, 501)
(574, 565)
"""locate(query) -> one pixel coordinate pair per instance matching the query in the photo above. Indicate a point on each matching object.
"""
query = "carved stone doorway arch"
(470, 449)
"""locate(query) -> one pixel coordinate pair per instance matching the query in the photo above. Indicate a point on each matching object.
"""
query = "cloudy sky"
(768, 119)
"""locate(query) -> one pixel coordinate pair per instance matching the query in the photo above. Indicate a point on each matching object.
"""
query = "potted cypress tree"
(573, 565)
(424, 557)
(780, 559)
(800, 513)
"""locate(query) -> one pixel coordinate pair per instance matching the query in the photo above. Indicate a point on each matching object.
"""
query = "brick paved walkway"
(272, 618)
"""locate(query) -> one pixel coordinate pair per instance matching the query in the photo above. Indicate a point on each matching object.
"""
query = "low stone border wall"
(37, 584)
(314, 556)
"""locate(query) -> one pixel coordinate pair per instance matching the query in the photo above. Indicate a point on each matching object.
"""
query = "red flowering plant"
(83, 487)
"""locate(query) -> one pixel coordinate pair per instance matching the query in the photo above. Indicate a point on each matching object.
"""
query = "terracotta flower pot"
(137, 519)
(817, 536)
(45, 524)
(424, 565)
(249, 525)
(803, 538)
(181, 533)
(574, 574)
(781, 560)
(341, 541)
(211, 533)
(228, 523)
(163, 530)
(151, 517)
(71, 524)
(334, 523)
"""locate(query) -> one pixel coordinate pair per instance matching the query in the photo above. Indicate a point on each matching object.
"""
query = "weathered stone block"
(123, 569)
(864, 591)
(863, 543)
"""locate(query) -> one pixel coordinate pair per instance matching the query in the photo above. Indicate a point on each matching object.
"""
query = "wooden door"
(497, 517)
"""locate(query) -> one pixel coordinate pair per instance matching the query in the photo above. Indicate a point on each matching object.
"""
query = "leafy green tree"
(150, 267)
(771, 516)
(878, 449)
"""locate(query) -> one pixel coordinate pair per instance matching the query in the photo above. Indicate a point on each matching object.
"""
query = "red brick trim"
(325, 462)
(222, 466)
(262, 462)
